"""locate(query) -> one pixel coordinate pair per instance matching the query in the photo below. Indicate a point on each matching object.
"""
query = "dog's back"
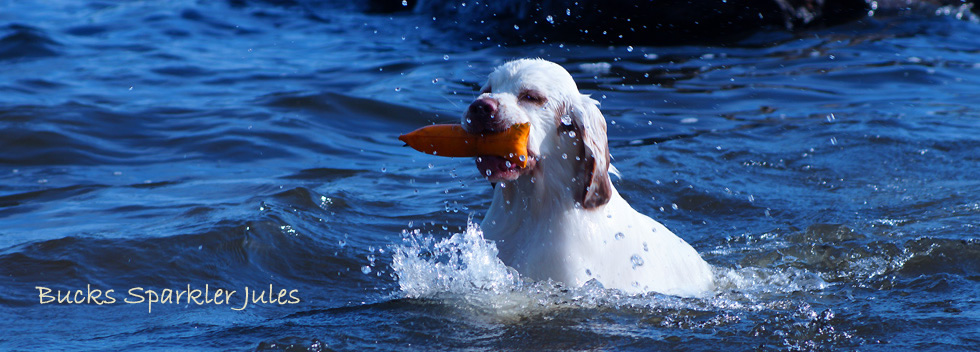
(615, 245)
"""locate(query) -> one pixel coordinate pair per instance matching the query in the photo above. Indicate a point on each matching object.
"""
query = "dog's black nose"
(482, 117)
(484, 106)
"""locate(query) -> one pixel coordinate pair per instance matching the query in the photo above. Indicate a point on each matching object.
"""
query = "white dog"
(560, 217)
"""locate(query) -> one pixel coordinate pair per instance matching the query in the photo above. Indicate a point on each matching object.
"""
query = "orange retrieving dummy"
(452, 140)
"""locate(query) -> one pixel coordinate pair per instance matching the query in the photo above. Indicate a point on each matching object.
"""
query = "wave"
(25, 42)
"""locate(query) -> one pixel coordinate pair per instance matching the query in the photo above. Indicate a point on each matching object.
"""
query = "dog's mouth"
(497, 169)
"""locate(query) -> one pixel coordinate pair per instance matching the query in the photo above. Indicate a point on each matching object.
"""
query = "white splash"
(463, 271)
(461, 263)
(762, 283)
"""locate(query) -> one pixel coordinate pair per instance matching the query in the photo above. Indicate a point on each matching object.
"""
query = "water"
(829, 176)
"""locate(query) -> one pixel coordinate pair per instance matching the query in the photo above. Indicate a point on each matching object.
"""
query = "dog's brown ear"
(590, 126)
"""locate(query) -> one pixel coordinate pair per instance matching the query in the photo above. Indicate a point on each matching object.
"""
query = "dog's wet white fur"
(560, 217)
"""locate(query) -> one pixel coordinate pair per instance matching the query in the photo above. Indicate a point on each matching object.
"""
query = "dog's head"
(567, 144)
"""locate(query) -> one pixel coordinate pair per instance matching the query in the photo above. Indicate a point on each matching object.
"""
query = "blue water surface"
(831, 176)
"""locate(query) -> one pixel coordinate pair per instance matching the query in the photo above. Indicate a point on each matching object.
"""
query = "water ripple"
(23, 42)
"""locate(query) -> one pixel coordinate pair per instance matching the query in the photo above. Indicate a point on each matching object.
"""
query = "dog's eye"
(532, 97)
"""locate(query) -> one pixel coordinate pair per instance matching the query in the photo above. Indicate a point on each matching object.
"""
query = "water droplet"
(566, 120)
(366, 269)
(620, 235)
(568, 12)
(489, 172)
(445, 57)
(516, 27)
(564, 156)
(398, 89)
(522, 158)
(636, 260)
(550, 19)
(645, 247)
(571, 134)
(507, 164)
(405, 3)
(588, 272)
(629, 48)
